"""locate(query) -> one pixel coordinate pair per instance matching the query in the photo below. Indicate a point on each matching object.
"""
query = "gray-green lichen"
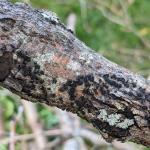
(115, 119)
(103, 114)
(50, 15)
(125, 124)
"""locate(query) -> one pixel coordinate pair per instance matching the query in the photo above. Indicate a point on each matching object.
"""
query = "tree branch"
(42, 61)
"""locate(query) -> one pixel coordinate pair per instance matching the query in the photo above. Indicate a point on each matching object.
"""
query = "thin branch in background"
(148, 77)
(75, 144)
(31, 136)
(83, 9)
(54, 143)
(2, 130)
(26, 1)
(24, 145)
(125, 146)
(96, 139)
(12, 135)
(34, 123)
(71, 22)
(13, 124)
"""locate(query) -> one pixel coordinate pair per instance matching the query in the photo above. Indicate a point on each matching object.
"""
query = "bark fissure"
(42, 61)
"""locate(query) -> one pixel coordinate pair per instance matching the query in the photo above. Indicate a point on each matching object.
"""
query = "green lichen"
(112, 119)
(50, 15)
(125, 124)
(115, 119)
(103, 114)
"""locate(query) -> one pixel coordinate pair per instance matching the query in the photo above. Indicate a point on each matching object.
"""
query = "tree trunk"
(42, 61)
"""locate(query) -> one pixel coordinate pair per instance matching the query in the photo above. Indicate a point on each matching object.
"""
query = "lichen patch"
(111, 119)
(50, 15)
(115, 119)
(103, 114)
(125, 124)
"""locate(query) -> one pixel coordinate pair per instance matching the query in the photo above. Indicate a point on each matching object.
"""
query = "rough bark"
(42, 61)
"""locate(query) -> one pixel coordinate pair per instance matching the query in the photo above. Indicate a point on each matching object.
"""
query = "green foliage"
(7, 103)
(48, 117)
(9, 107)
(3, 147)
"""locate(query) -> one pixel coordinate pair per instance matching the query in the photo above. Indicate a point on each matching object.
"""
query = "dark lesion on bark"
(6, 49)
(28, 74)
(6, 64)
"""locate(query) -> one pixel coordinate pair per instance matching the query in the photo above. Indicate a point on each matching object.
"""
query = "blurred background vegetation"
(117, 29)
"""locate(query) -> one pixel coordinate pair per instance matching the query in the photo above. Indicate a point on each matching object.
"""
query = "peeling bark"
(41, 60)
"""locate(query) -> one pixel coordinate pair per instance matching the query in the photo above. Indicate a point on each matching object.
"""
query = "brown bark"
(41, 60)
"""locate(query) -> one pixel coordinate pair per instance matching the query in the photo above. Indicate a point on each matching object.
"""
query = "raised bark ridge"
(42, 61)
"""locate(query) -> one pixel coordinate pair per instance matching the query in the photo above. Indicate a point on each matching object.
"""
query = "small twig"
(13, 124)
(1, 122)
(83, 9)
(75, 144)
(36, 126)
(26, 1)
(93, 137)
(26, 137)
(124, 146)
(71, 22)
(53, 143)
